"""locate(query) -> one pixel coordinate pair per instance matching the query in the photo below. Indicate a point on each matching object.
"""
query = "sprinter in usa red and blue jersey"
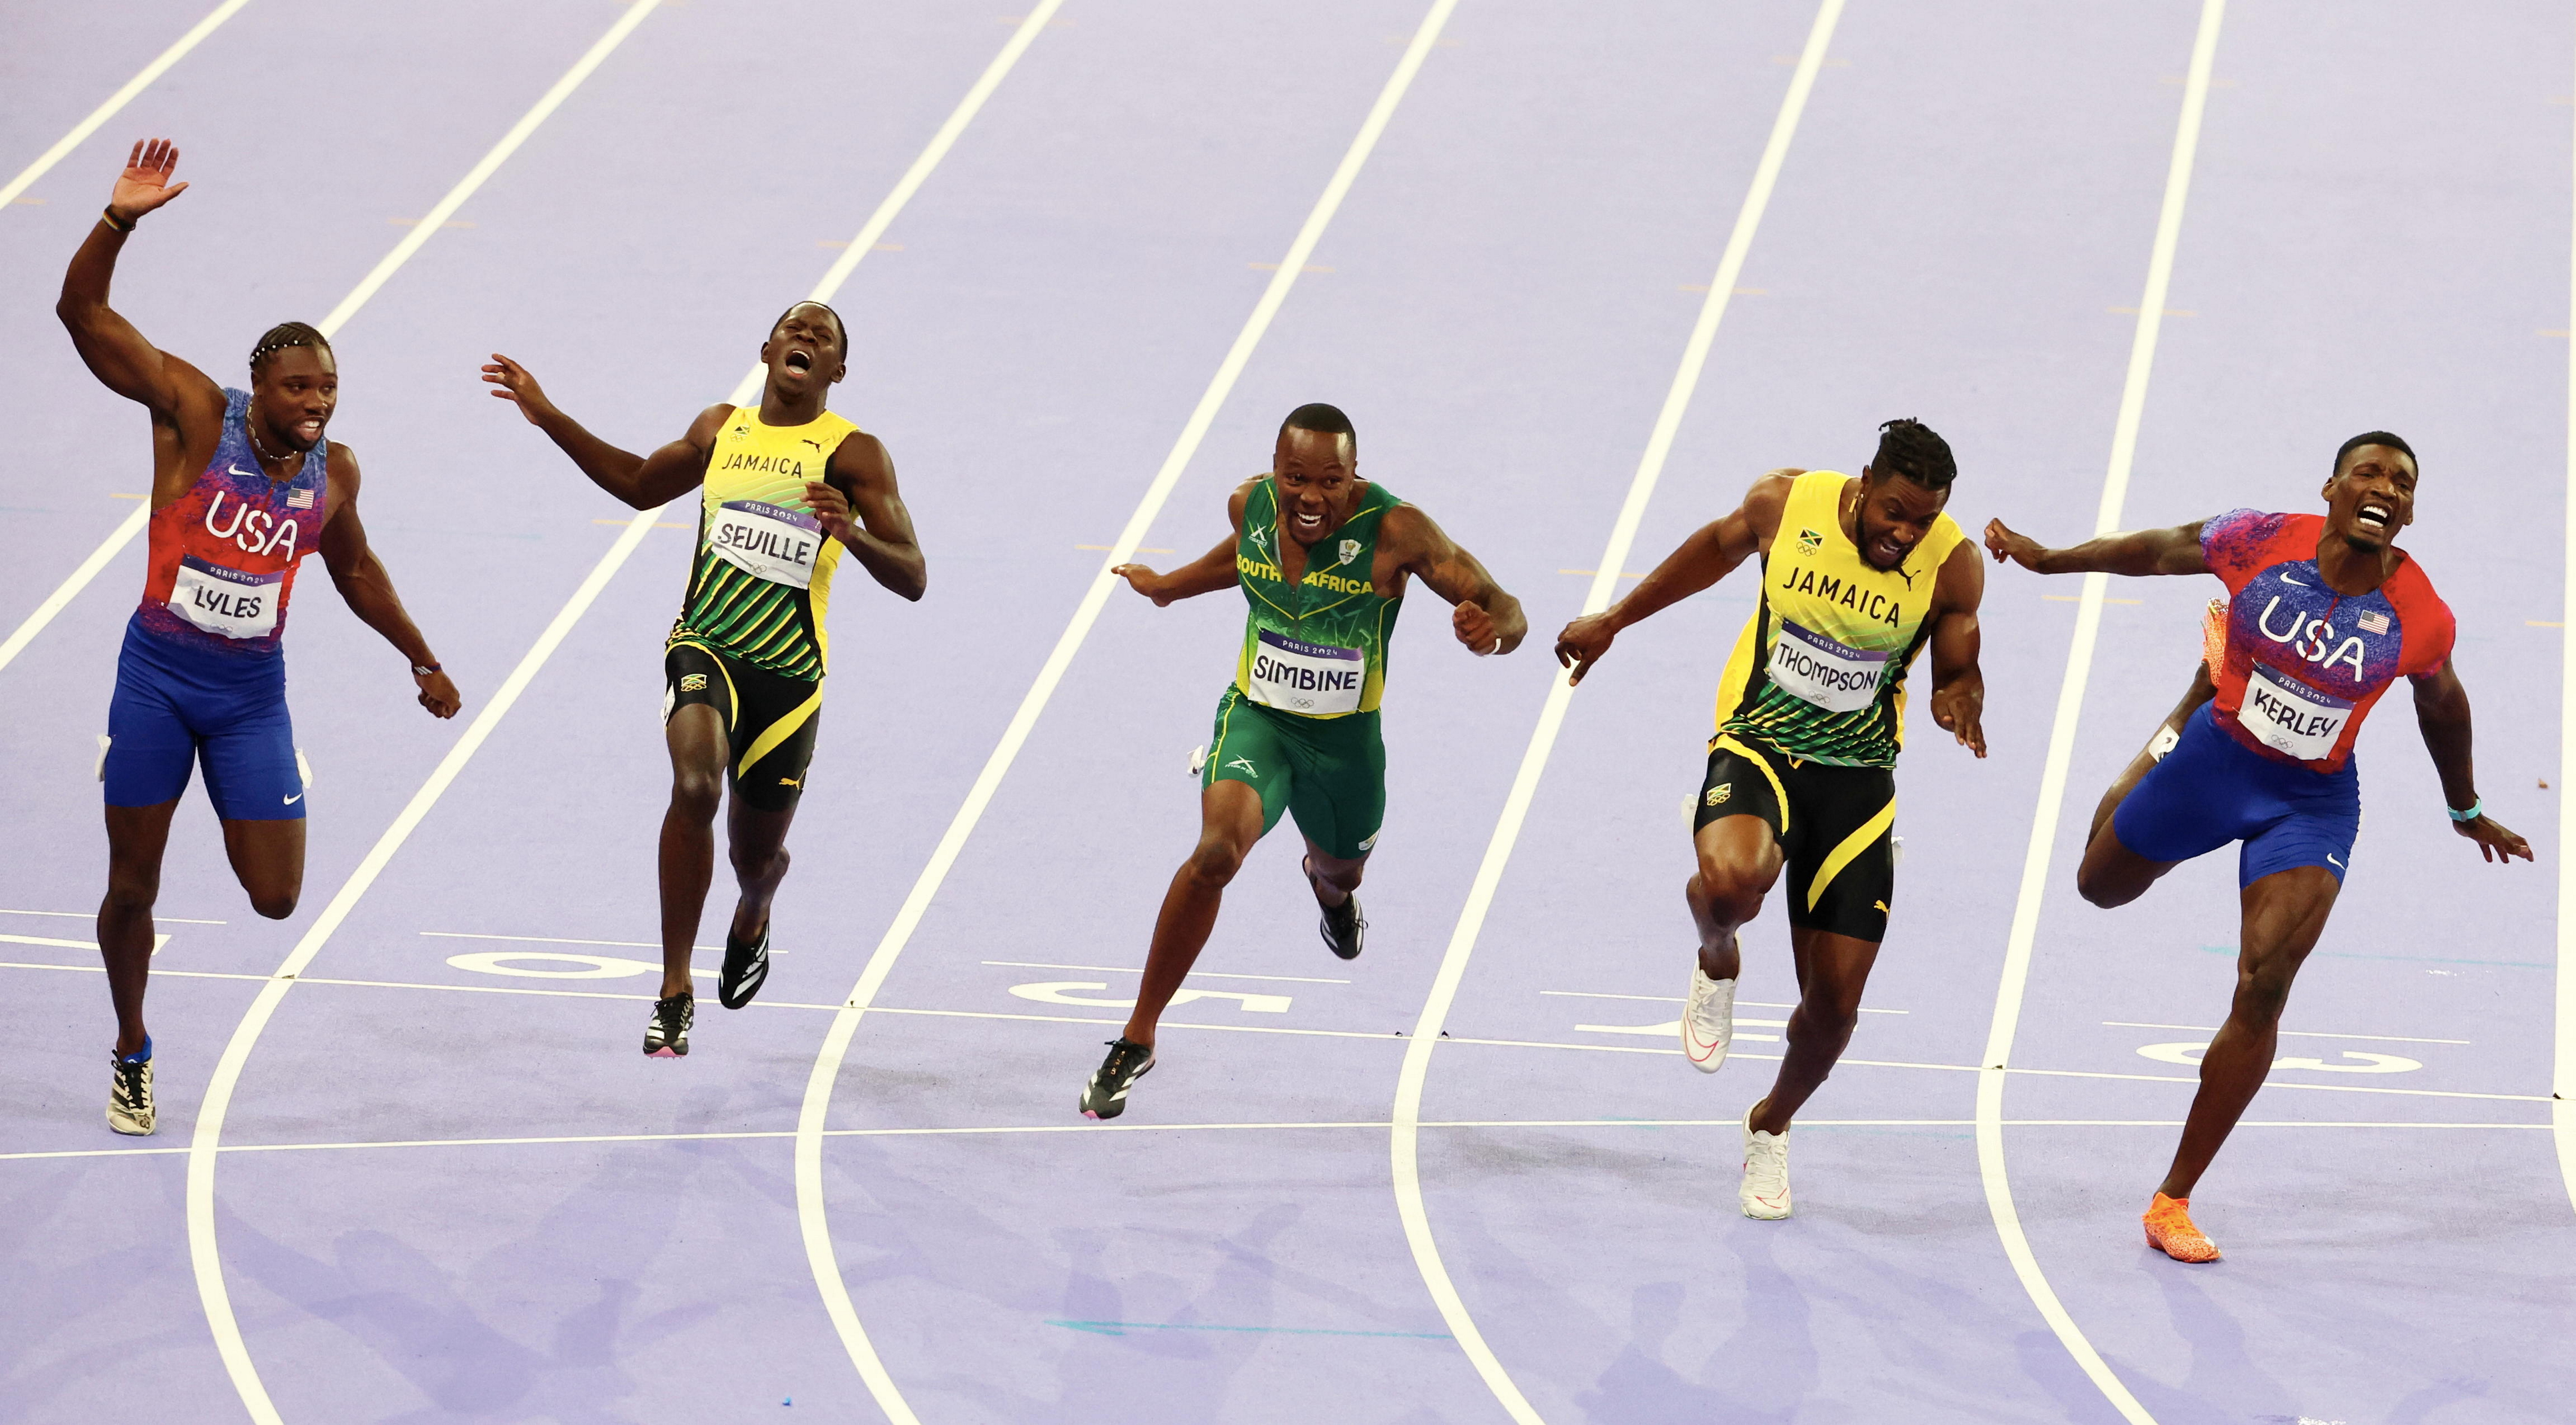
(243, 487)
(2323, 614)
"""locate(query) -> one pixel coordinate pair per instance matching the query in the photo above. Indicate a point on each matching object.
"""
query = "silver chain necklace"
(250, 427)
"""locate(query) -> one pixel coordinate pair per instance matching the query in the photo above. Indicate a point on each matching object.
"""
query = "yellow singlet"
(762, 579)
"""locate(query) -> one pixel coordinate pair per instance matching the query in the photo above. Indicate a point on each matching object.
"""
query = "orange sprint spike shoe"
(2169, 1231)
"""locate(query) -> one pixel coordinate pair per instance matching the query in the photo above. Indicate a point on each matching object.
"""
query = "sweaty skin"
(293, 396)
(1319, 485)
(1739, 857)
(2369, 498)
(857, 503)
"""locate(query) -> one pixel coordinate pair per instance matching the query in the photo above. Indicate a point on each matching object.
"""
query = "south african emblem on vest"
(1350, 550)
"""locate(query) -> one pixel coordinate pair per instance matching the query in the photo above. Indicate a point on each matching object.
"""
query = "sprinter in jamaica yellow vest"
(786, 489)
(1322, 557)
(1857, 576)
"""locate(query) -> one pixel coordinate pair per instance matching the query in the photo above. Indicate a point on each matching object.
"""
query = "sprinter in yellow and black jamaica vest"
(1857, 576)
(787, 489)
(1322, 557)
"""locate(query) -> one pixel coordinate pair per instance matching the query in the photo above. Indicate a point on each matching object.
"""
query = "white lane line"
(330, 325)
(1138, 970)
(142, 79)
(555, 939)
(2286, 1033)
(1403, 1147)
(204, 1257)
(2015, 975)
(2563, 1067)
(1677, 999)
(810, 1208)
(209, 1125)
(1023, 1128)
(93, 915)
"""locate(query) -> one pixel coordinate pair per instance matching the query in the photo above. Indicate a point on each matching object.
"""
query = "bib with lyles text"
(222, 557)
(1317, 649)
(761, 581)
(1819, 671)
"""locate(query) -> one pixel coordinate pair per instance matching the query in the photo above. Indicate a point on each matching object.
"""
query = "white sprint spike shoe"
(1765, 1192)
(1708, 1021)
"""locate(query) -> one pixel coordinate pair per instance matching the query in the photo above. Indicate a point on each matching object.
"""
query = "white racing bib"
(1306, 677)
(766, 541)
(2287, 715)
(226, 601)
(1824, 672)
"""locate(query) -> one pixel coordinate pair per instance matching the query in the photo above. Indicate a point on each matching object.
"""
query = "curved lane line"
(202, 1253)
(2015, 977)
(142, 80)
(2562, 1086)
(1403, 1140)
(811, 1210)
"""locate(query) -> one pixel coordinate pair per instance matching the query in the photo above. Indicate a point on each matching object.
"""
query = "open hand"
(1144, 581)
(2003, 544)
(831, 510)
(1960, 709)
(2495, 843)
(438, 694)
(1583, 642)
(515, 385)
(1474, 627)
(145, 184)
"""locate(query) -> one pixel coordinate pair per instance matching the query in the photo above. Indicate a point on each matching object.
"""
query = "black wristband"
(423, 670)
(107, 215)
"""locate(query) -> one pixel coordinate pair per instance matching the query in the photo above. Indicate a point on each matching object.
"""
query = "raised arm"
(860, 479)
(1206, 574)
(1711, 553)
(1483, 616)
(643, 482)
(178, 394)
(2133, 552)
(1958, 685)
(369, 591)
(2442, 712)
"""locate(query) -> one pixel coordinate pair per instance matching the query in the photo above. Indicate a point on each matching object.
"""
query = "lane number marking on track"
(1057, 992)
(1671, 1027)
(585, 967)
(2188, 1052)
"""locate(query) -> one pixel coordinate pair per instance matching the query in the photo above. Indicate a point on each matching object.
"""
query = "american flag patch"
(2374, 623)
(303, 500)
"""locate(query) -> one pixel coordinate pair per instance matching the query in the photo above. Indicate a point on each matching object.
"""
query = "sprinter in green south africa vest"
(1858, 575)
(1322, 557)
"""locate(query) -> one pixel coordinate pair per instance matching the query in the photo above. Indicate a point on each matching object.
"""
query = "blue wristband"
(2476, 809)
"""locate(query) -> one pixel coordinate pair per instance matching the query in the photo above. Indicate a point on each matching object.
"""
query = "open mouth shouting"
(1305, 527)
(2376, 516)
(799, 360)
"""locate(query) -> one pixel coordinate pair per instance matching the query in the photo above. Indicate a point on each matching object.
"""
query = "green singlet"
(1299, 724)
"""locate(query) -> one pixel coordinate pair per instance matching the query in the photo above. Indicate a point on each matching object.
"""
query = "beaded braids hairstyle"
(2374, 437)
(1912, 449)
(281, 336)
(1325, 420)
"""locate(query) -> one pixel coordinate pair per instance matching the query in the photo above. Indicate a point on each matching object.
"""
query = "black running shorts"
(769, 720)
(1833, 823)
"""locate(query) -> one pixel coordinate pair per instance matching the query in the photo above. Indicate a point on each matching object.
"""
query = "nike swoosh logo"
(299, 796)
(2331, 861)
(2286, 579)
(233, 469)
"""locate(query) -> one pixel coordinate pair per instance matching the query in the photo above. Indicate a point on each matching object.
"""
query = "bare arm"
(369, 591)
(1482, 615)
(184, 403)
(1958, 685)
(1711, 553)
(642, 482)
(860, 479)
(2133, 552)
(1206, 574)
(2442, 712)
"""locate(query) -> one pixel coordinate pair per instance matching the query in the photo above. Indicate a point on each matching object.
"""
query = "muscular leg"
(1229, 824)
(2112, 874)
(756, 842)
(268, 860)
(2283, 915)
(1739, 860)
(699, 751)
(1832, 969)
(1333, 878)
(135, 838)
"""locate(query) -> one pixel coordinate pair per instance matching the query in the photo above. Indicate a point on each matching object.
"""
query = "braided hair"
(1912, 449)
(281, 336)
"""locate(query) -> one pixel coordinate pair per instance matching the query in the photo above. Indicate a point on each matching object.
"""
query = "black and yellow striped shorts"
(1834, 825)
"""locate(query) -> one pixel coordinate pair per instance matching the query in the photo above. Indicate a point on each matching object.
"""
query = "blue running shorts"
(2211, 789)
(178, 706)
